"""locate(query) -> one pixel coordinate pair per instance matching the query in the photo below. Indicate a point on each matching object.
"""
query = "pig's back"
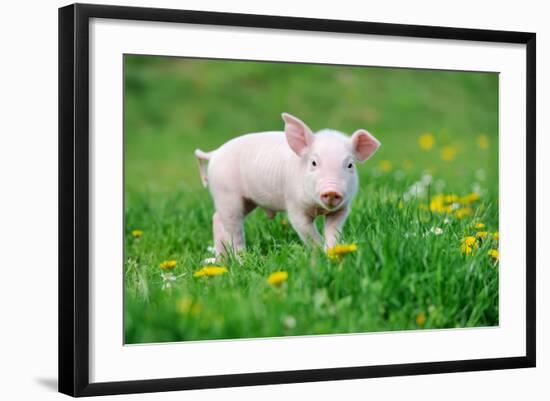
(255, 165)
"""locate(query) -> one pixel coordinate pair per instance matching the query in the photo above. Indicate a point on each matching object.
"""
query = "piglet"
(296, 171)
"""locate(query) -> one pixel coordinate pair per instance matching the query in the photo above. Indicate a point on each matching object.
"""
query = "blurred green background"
(439, 135)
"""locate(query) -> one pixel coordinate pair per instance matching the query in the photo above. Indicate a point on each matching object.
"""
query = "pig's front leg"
(305, 227)
(333, 226)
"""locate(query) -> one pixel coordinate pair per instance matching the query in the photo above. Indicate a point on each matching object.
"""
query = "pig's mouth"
(322, 210)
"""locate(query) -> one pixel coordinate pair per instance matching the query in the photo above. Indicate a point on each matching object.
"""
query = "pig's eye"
(350, 165)
(314, 163)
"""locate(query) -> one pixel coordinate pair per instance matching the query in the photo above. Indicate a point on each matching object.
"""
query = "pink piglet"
(296, 171)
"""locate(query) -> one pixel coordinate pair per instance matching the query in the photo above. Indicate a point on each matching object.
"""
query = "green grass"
(401, 270)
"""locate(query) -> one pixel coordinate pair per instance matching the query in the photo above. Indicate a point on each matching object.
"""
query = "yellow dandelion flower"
(448, 153)
(137, 233)
(442, 203)
(451, 198)
(168, 264)
(464, 248)
(493, 253)
(482, 234)
(437, 204)
(420, 319)
(483, 141)
(277, 278)
(470, 198)
(479, 225)
(496, 235)
(338, 251)
(209, 271)
(468, 244)
(426, 141)
(385, 165)
(463, 212)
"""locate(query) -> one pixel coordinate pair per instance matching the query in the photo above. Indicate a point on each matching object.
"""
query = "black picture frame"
(74, 198)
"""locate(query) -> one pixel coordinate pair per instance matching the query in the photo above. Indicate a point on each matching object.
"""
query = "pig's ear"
(298, 135)
(364, 145)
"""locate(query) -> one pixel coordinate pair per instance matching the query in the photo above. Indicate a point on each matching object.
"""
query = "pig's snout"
(331, 199)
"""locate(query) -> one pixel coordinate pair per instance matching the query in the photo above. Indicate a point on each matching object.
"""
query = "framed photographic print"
(250, 199)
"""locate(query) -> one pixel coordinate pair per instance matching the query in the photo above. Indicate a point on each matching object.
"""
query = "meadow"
(423, 227)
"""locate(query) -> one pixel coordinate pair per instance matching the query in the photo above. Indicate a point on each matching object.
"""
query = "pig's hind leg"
(228, 224)
(220, 236)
